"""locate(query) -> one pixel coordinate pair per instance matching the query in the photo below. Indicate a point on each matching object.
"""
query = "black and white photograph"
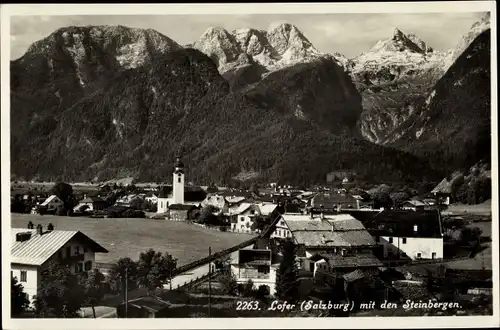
(272, 164)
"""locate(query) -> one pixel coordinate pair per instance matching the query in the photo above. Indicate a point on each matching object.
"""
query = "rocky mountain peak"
(476, 29)
(219, 45)
(286, 35)
(399, 42)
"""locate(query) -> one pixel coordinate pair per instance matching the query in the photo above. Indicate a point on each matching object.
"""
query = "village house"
(336, 201)
(152, 198)
(415, 205)
(33, 250)
(406, 234)
(52, 203)
(442, 192)
(242, 217)
(90, 204)
(258, 263)
(328, 235)
(181, 212)
(178, 193)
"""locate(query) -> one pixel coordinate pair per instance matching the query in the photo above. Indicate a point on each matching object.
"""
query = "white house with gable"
(408, 234)
(34, 250)
(52, 203)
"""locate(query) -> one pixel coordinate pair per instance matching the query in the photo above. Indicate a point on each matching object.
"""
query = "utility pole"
(209, 279)
(170, 278)
(126, 292)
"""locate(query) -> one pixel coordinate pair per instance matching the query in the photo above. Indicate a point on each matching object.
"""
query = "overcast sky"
(349, 34)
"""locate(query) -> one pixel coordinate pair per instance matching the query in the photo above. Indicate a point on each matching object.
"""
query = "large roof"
(266, 208)
(359, 260)
(400, 223)
(332, 199)
(39, 248)
(334, 238)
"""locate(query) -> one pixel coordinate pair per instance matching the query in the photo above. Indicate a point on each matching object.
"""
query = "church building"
(178, 193)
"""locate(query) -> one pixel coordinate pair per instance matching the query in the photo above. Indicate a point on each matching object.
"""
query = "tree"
(154, 269)
(382, 199)
(259, 223)
(254, 189)
(138, 204)
(468, 235)
(18, 300)
(287, 275)
(125, 268)
(399, 197)
(246, 290)
(60, 294)
(93, 288)
(207, 215)
(65, 192)
(228, 282)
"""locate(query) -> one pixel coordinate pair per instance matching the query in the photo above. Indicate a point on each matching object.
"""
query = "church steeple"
(178, 182)
(179, 165)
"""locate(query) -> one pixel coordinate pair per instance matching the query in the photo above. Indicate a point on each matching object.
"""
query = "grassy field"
(130, 237)
(479, 209)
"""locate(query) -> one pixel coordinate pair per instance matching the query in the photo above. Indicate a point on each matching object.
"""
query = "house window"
(390, 240)
(24, 276)
(343, 251)
(88, 265)
(242, 226)
(68, 251)
(252, 212)
(419, 255)
(433, 255)
(404, 240)
(85, 250)
(377, 239)
(179, 179)
(11, 273)
(77, 250)
(242, 218)
(263, 269)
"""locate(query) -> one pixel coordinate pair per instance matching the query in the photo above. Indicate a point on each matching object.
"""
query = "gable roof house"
(52, 203)
(407, 234)
(339, 234)
(34, 250)
(336, 201)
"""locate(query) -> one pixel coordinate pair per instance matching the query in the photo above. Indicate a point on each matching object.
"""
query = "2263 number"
(247, 305)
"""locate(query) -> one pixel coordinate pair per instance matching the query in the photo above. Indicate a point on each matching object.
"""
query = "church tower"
(178, 182)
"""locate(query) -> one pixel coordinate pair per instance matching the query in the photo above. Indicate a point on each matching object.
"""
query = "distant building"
(181, 212)
(415, 205)
(258, 263)
(152, 198)
(242, 217)
(33, 250)
(52, 203)
(91, 204)
(335, 201)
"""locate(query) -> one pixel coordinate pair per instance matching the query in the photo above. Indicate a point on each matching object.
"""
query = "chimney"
(50, 227)
(39, 229)
(30, 225)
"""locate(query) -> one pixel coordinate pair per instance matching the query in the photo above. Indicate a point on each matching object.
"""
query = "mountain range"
(102, 102)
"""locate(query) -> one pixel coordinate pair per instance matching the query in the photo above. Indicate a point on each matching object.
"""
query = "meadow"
(129, 237)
